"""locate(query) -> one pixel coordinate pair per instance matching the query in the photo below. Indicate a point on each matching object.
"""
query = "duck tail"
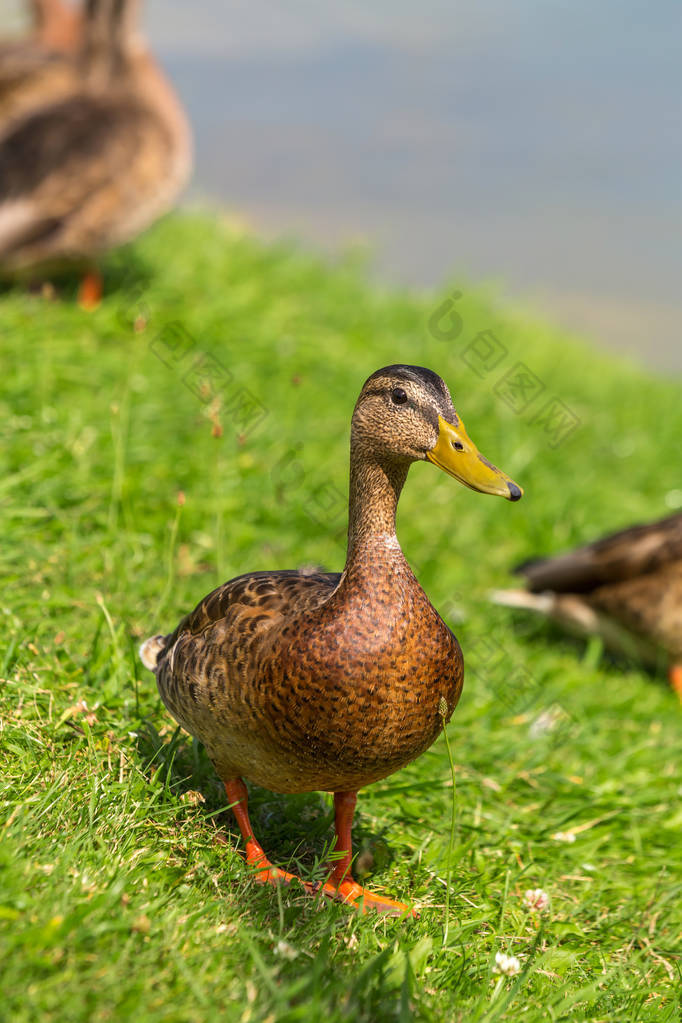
(150, 651)
(542, 603)
(568, 609)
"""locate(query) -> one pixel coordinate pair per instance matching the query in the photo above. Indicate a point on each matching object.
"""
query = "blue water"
(536, 143)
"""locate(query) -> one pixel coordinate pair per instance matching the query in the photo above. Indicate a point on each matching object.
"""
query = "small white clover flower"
(509, 966)
(285, 950)
(564, 836)
(545, 722)
(536, 898)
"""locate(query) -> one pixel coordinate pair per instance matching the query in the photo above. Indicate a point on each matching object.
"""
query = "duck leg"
(90, 290)
(255, 857)
(675, 676)
(341, 885)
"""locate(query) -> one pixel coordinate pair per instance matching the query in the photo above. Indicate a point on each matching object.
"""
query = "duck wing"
(277, 594)
(627, 554)
(212, 672)
(245, 605)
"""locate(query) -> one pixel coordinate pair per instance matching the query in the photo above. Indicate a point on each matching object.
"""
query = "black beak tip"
(515, 493)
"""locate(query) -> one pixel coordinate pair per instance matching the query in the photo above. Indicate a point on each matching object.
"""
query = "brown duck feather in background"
(313, 681)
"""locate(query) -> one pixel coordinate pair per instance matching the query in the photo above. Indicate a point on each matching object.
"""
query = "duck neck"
(375, 487)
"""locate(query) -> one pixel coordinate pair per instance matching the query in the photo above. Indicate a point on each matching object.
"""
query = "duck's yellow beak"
(455, 454)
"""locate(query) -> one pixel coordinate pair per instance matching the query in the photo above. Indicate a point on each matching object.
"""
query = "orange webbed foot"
(340, 886)
(353, 894)
(263, 870)
(348, 891)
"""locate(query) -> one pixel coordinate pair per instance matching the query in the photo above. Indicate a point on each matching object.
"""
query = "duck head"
(405, 414)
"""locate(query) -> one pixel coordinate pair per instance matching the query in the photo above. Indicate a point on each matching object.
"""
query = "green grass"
(123, 895)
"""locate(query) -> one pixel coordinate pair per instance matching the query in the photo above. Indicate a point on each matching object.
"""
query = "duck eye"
(398, 396)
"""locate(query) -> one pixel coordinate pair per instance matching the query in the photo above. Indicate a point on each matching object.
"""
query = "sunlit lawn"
(196, 426)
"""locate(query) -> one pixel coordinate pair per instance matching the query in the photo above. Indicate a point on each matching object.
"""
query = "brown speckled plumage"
(331, 682)
(312, 681)
(96, 162)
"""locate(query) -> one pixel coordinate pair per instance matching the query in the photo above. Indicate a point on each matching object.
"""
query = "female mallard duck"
(95, 168)
(626, 588)
(39, 68)
(300, 682)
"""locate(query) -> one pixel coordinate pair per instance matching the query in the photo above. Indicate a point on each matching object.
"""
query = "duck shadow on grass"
(587, 649)
(295, 830)
(125, 273)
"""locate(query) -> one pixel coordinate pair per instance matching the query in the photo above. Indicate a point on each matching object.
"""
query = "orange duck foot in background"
(340, 886)
(675, 676)
(90, 290)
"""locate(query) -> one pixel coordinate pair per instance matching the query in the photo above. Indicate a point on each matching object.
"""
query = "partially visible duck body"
(92, 170)
(625, 588)
(321, 681)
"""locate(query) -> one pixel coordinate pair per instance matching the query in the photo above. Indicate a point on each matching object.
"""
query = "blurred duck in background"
(625, 588)
(91, 170)
(39, 67)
